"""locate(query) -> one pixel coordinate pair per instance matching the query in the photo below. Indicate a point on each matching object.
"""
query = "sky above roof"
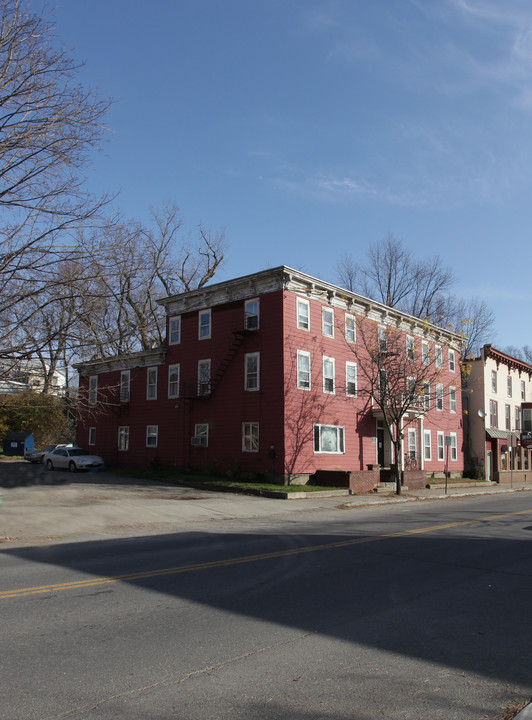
(311, 128)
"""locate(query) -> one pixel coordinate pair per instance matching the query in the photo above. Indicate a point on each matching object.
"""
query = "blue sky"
(311, 128)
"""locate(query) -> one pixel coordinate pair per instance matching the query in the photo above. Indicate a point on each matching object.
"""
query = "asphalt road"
(418, 610)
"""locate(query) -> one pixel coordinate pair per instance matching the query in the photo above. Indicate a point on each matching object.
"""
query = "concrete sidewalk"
(46, 507)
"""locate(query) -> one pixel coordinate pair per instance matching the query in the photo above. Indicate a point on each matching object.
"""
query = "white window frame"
(439, 397)
(204, 324)
(517, 418)
(412, 443)
(252, 317)
(438, 356)
(452, 360)
(152, 436)
(351, 378)
(494, 381)
(123, 438)
(350, 329)
(454, 447)
(507, 417)
(173, 385)
(410, 348)
(427, 448)
(426, 395)
(152, 377)
(204, 377)
(523, 390)
(174, 330)
(425, 353)
(125, 385)
(339, 431)
(327, 325)
(250, 437)
(303, 318)
(202, 430)
(452, 399)
(509, 386)
(252, 374)
(494, 414)
(382, 338)
(304, 370)
(440, 439)
(329, 375)
(93, 389)
(92, 435)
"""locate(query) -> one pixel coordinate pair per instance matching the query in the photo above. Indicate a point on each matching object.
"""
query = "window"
(351, 379)
(173, 381)
(410, 348)
(522, 390)
(494, 413)
(427, 444)
(152, 435)
(440, 439)
(303, 314)
(174, 330)
(411, 391)
(350, 329)
(518, 418)
(303, 370)
(204, 324)
(252, 369)
(412, 443)
(382, 339)
(425, 353)
(329, 439)
(92, 436)
(454, 447)
(328, 375)
(438, 354)
(250, 437)
(509, 386)
(527, 419)
(204, 377)
(201, 435)
(493, 381)
(439, 397)
(251, 310)
(452, 363)
(124, 385)
(93, 390)
(123, 438)
(507, 418)
(327, 317)
(452, 399)
(426, 396)
(383, 385)
(151, 388)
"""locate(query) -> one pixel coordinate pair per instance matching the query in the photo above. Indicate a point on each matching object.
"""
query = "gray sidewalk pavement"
(44, 507)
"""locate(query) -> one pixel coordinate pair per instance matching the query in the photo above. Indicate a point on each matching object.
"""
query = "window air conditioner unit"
(198, 441)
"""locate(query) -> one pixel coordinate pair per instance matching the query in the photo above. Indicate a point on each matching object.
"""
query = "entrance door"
(489, 468)
(380, 445)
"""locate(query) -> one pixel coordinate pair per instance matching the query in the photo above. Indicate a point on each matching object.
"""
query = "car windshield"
(77, 451)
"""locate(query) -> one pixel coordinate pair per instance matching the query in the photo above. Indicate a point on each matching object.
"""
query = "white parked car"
(72, 458)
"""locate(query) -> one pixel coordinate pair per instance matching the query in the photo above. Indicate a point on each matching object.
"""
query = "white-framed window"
(494, 414)
(329, 439)
(327, 320)
(201, 434)
(410, 348)
(152, 435)
(518, 418)
(151, 383)
(427, 444)
(454, 446)
(329, 384)
(252, 371)
(382, 336)
(509, 386)
(93, 389)
(303, 314)
(425, 353)
(452, 399)
(123, 438)
(452, 361)
(303, 370)
(523, 393)
(426, 396)
(383, 385)
(350, 329)
(441, 444)
(125, 381)
(412, 443)
(252, 314)
(174, 330)
(204, 377)
(92, 436)
(174, 372)
(351, 379)
(250, 437)
(507, 417)
(204, 324)
(493, 381)
(411, 391)
(439, 396)
(438, 356)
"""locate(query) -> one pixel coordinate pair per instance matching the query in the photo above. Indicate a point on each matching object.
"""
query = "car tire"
(72, 466)
(49, 465)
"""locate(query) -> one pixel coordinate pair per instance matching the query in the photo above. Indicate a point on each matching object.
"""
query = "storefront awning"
(502, 434)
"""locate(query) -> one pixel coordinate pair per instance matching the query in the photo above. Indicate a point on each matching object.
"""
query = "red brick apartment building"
(259, 375)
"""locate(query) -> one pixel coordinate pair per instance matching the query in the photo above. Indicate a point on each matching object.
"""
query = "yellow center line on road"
(92, 582)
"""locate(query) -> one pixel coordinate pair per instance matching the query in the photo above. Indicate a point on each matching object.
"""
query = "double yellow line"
(98, 581)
